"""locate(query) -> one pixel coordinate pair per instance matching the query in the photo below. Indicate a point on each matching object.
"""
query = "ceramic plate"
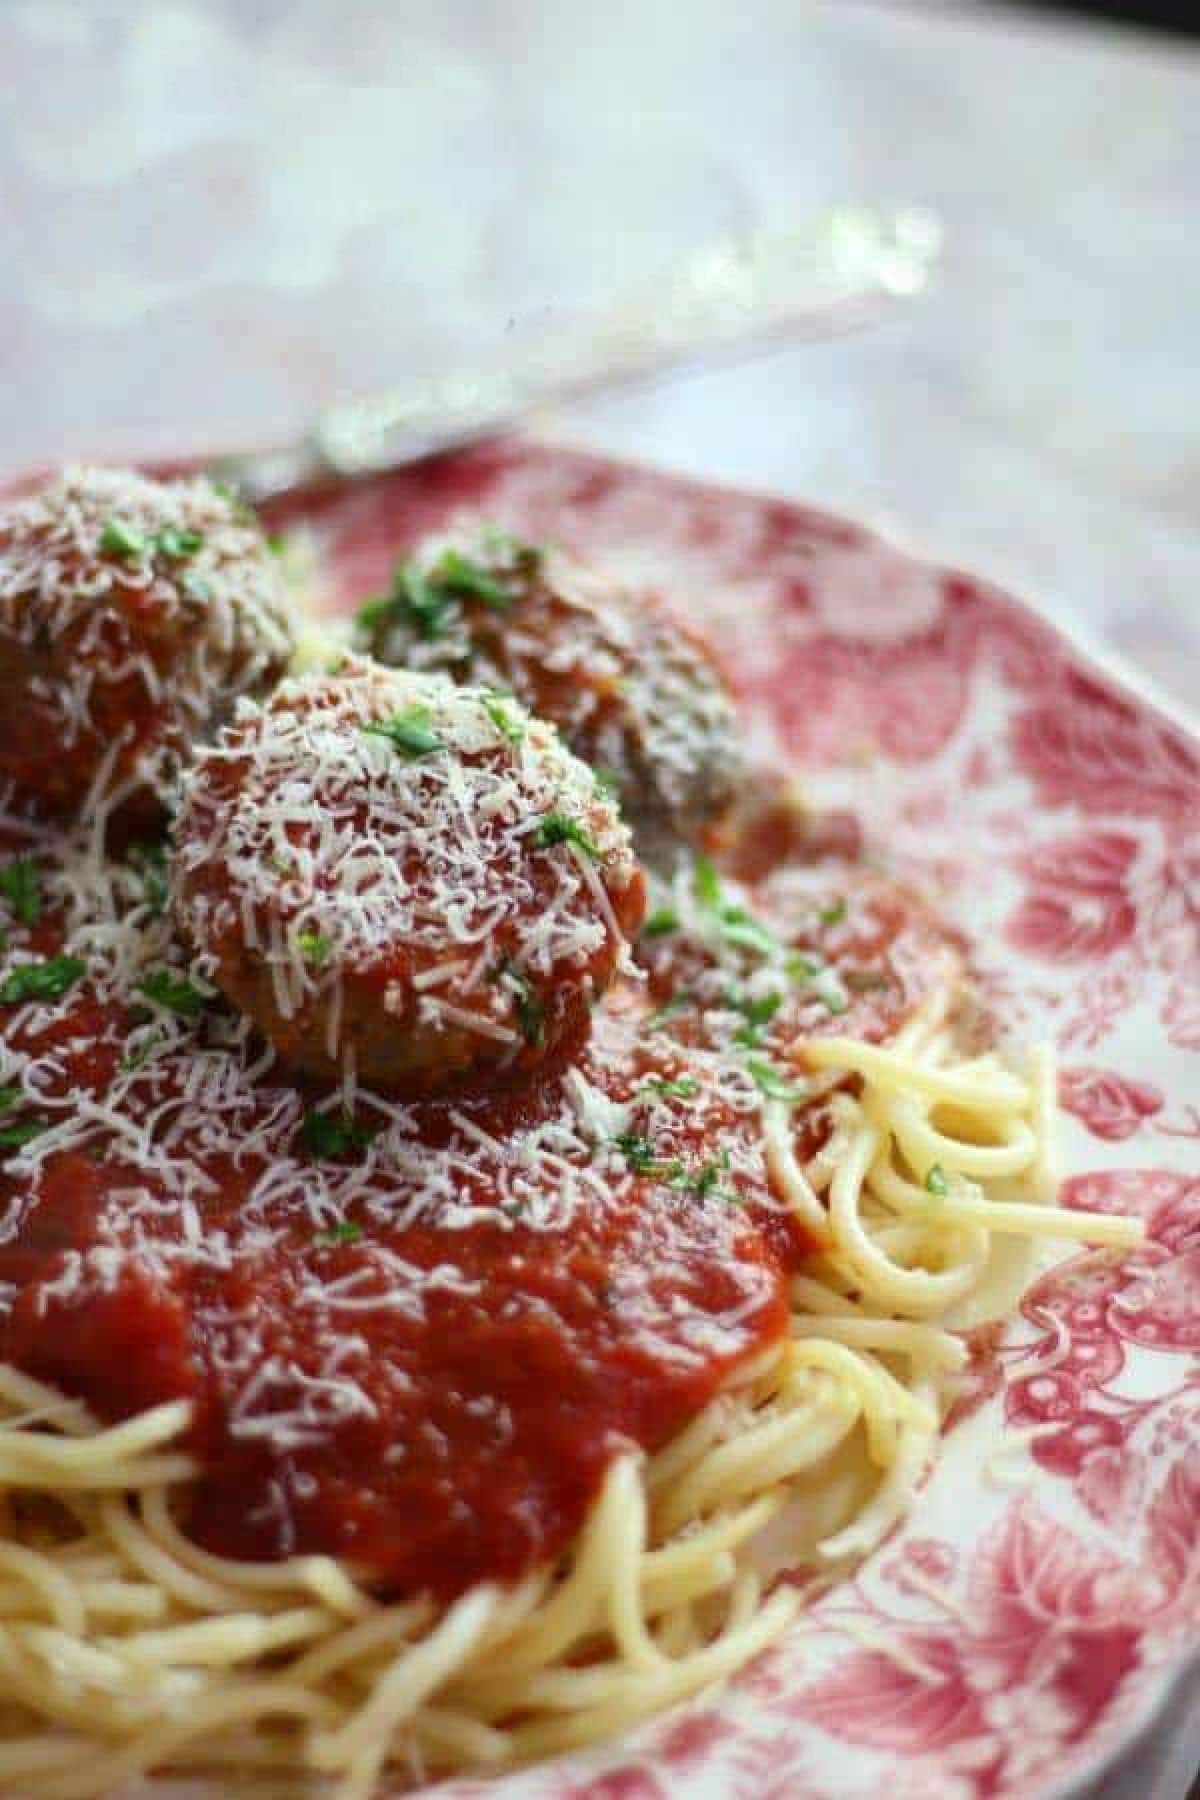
(1030, 1618)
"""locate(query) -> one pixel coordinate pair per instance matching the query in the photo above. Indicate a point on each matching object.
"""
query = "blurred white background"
(217, 215)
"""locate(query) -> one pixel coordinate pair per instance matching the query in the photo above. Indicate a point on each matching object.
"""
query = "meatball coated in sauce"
(636, 694)
(405, 880)
(132, 613)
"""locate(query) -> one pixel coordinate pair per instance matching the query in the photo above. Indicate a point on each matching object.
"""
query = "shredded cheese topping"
(629, 689)
(153, 599)
(377, 823)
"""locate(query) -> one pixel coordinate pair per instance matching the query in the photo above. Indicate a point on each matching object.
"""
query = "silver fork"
(721, 304)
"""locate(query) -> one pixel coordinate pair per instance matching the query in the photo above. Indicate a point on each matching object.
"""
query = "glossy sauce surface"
(418, 1345)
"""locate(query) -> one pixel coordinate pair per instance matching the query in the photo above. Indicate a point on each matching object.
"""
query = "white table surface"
(216, 217)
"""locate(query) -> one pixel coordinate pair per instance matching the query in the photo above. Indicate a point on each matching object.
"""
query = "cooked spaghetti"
(366, 1435)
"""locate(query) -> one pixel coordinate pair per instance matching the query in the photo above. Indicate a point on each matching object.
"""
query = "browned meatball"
(403, 880)
(132, 612)
(634, 692)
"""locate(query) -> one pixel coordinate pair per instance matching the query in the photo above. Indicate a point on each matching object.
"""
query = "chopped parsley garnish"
(706, 1181)
(22, 1131)
(314, 947)
(496, 706)
(331, 1134)
(639, 1153)
(344, 1232)
(834, 913)
(176, 545)
(557, 828)
(21, 885)
(120, 538)
(772, 1084)
(676, 1004)
(736, 924)
(421, 600)
(608, 783)
(757, 1014)
(706, 883)
(276, 543)
(175, 992)
(682, 1087)
(528, 1007)
(409, 731)
(49, 979)
(457, 574)
(133, 1061)
(661, 922)
(809, 970)
(936, 1182)
(150, 861)
(411, 601)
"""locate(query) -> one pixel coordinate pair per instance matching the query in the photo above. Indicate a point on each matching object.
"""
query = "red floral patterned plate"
(1048, 1588)
(1046, 1593)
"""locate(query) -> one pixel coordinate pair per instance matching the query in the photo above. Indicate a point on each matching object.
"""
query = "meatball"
(131, 613)
(403, 880)
(636, 694)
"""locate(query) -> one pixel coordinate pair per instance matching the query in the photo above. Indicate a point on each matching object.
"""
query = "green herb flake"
(150, 862)
(936, 1183)
(661, 922)
(834, 913)
(408, 731)
(175, 992)
(682, 1087)
(757, 1014)
(557, 828)
(9, 1097)
(49, 979)
(456, 574)
(176, 545)
(676, 1004)
(528, 1008)
(639, 1153)
(773, 1085)
(510, 727)
(314, 947)
(331, 1134)
(120, 538)
(705, 1182)
(706, 883)
(21, 886)
(344, 1232)
(736, 923)
(22, 1131)
(412, 602)
(741, 927)
(134, 1059)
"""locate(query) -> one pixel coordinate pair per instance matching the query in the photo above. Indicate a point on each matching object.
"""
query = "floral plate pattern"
(1023, 1625)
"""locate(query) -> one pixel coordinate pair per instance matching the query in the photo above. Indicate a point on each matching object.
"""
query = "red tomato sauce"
(419, 1348)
